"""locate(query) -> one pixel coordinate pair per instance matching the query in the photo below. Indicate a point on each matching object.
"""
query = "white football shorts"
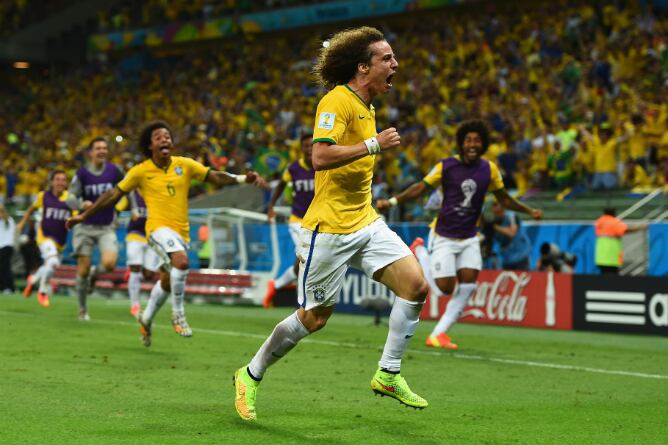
(325, 257)
(448, 255)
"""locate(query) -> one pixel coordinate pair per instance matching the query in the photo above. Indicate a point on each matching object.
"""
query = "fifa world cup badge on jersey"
(178, 170)
(319, 294)
(326, 121)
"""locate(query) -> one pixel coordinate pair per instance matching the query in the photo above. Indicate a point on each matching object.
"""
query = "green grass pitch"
(66, 381)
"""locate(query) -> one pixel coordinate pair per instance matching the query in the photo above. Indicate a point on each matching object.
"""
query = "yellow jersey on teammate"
(165, 191)
(342, 201)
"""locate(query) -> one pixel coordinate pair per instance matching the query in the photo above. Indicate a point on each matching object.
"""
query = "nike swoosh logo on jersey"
(361, 117)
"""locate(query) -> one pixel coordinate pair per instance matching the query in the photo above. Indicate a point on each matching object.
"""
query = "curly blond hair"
(337, 62)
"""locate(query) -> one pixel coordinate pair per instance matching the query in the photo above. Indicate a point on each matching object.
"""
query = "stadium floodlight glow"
(119, 138)
(21, 65)
(325, 44)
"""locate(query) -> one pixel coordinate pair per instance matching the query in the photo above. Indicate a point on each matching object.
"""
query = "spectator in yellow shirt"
(636, 178)
(604, 148)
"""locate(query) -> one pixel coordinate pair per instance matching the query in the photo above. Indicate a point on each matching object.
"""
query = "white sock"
(285, 336)
(134, 287)
(455, 307)
(177, 277)
(81, 287)
(48, 269)
(37, 276)
(155, 302)
(403, 322)
(286, 278)
(422, 255)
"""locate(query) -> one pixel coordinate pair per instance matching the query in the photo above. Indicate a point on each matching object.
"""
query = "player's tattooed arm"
(107, 199)
(220, 179)
(327, 156)
(414, 191)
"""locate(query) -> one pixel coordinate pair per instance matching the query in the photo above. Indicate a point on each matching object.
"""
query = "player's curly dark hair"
(145, 136)
(337, 62)
(473, 126)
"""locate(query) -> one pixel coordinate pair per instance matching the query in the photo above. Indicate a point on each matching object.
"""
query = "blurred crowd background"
(576, 94)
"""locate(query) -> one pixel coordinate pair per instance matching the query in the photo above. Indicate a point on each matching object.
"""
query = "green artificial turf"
(67, 381)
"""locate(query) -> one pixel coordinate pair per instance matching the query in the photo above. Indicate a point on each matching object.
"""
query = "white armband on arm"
(372, 145)
(240, 178)
(393, 201)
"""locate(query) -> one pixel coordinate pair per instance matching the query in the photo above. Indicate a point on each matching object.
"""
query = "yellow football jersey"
(165, 192)
(342, 201)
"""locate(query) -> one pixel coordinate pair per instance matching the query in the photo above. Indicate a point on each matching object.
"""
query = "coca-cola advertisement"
(514, 298)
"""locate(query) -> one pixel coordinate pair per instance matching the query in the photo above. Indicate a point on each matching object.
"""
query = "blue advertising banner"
(577, 239)
(658, 249)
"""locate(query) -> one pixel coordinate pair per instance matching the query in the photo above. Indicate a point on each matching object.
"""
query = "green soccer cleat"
(245, 388)
(393, 385)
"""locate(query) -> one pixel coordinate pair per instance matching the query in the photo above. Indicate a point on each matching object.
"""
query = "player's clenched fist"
(388, 138)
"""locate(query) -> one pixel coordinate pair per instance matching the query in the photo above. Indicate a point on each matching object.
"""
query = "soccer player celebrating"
(88, 184)
(301, 174)
(454, 244)
(164, 180)
(141, 260)
(340, 227)
(51, 233)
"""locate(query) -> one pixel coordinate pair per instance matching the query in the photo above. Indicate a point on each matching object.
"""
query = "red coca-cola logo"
(502, 299)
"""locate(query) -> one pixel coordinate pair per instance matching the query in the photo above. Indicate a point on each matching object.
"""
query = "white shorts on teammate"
(448, 255)
(139, 253)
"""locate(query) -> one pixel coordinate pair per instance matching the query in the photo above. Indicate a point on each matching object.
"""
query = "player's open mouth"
(164, 150)
(472, 152)
(389, 80)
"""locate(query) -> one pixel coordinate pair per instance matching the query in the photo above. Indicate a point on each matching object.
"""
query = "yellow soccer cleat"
(395, 386)
(245, 388)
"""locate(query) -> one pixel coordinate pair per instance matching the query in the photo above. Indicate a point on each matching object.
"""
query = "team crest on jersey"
(319, 294)
(326, 121)
(178, 170)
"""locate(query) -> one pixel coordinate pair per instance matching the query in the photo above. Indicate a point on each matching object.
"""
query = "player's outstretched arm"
(414, 191)
(328, 156)
(220, 179)
(25, 219)
(278, 191)
(511, 203)
(107, 199)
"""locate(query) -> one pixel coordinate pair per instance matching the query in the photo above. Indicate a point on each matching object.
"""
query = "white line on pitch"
(413, 351)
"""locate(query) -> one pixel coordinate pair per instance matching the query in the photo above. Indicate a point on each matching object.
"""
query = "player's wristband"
(241, 179)
(393, 201)
(372, 145)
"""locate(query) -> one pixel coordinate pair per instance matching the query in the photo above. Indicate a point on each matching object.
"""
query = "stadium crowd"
(132, 14)
(576, 94)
